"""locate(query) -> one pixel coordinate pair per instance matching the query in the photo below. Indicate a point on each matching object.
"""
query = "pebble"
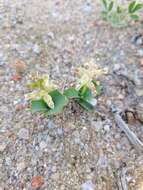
(23, 134)
(93, 102)
(2, 147)
(138, 40)
(2, 59)
(86, 8)
(51, 35)
(102, 162)
(21, 166)
(51, 124)
(130, 117)
(60, 132)
(116, 67)
(7, 161)
(43, 145)
(107, 128)
(98, 125)
(139, 92)
(139, 110)
(55, 176)
(88, 185)
(140, 52)
(141, 62)
(36, 49)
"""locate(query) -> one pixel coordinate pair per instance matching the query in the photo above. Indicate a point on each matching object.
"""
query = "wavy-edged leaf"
(85, 93)
(131, 6)
(110, 6)
(98, 87)
(135, 17)
(71, 93)
(60, 101)
(138, 7)
(104, 3)
(119, 9)
(48, 99)
(86, 105)
(39, 106)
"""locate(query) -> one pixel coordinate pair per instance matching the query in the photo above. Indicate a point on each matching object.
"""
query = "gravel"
(74, 150)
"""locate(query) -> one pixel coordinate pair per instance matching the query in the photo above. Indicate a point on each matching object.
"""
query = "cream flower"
(42, 87)
(88, 72)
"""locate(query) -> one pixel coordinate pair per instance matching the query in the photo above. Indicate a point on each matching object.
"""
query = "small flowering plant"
(87, 86)
(120, 16)
(46, 98)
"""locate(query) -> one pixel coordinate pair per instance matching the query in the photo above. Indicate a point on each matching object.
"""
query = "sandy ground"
(74, 150)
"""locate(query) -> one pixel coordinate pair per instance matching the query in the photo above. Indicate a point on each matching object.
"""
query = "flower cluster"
(41, 86)
(48, 99)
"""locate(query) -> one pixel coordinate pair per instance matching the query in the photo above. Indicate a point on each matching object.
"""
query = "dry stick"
(122, 182)
(131, 136)
(138, 145)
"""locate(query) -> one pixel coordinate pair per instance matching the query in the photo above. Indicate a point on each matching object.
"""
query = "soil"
(73, 150)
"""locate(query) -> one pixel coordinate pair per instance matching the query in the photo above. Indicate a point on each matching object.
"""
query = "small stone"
(51, 125)
(21, 166)
(16, 77)
(23, 134)
(7, 161)
(141, 62)
(93, 102)
(37, 181)
(55, 176)
(86, 8)
(130, 117)
(139, 41)
(2, 147)
(2, 59)
(60, 131)
(102, 162)
(36, 49)
(20, 67)
(139, 92)
(98, 125)
(88, 185)
(140, 52)
(51, 35)
(107, 128)
(43, 145)
(19, 107)
(139, 110)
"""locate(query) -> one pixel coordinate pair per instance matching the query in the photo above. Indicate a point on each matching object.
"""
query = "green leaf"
(104, 15)
(137, 7)
(110, 6)
(119, 9)
(86, 105)
(104, 3)
(98, 87)
(135, 17)
(60, 101)
(39, 106)
(131, 6)
(71, 93)
(85, 93)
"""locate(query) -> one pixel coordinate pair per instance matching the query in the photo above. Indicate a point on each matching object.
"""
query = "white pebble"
(23, 134)
(88, 185)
